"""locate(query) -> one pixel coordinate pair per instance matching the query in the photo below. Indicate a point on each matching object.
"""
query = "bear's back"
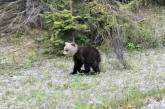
(88, 54)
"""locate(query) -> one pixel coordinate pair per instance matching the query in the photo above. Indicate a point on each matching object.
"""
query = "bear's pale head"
(70, 49)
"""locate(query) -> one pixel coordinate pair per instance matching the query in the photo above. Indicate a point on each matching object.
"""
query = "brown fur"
(87, 56)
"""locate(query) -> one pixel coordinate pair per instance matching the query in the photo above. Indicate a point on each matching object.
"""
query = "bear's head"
(70, 49)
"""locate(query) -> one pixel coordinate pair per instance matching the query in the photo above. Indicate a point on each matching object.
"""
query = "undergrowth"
(134, 99)
(92, 24)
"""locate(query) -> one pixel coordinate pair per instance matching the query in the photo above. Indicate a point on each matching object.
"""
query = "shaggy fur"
(87, 56)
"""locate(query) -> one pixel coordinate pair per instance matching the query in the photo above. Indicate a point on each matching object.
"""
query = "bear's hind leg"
(87, 68)
(96, 68)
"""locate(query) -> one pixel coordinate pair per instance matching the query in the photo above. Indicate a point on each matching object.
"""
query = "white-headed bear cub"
(87, 56)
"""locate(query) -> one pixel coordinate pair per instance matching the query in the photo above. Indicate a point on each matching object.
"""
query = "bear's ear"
(66, 43)
(73, 44)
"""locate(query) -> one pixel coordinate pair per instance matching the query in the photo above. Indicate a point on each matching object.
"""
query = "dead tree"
(20, 15)
(32, 10)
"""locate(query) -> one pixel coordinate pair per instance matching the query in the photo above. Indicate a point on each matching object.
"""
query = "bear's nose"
(64, 52)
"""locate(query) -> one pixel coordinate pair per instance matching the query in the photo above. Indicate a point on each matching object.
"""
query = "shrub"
(60, 25)
(93, 24)
(139, 35)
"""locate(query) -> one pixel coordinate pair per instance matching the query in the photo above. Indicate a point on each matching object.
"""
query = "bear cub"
(87, 56)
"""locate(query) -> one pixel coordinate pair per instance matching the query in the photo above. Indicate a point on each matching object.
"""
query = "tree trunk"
(161, 2)
(17, 15)
(32, 10)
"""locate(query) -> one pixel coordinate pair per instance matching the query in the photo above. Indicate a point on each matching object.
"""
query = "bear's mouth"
(66, 50)
(66, 53)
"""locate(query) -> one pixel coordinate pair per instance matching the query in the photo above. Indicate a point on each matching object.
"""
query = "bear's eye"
(66, 50)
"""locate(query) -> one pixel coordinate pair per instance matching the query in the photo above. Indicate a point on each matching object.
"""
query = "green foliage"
(131, 46)
(61, 25)
(62, 21)
(98, 20)
(134, 99)
(59, 4)
(83, 40)
(81, 105)
(134, 5)
(139, 35)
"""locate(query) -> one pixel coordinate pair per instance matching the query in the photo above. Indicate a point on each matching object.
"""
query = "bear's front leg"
(74, 70)
(87, 68)
(77, 67)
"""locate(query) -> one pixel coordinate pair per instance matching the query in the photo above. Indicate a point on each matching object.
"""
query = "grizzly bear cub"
(87, 56)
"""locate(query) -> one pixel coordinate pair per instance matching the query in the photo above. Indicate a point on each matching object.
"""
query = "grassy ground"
(30, 81)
